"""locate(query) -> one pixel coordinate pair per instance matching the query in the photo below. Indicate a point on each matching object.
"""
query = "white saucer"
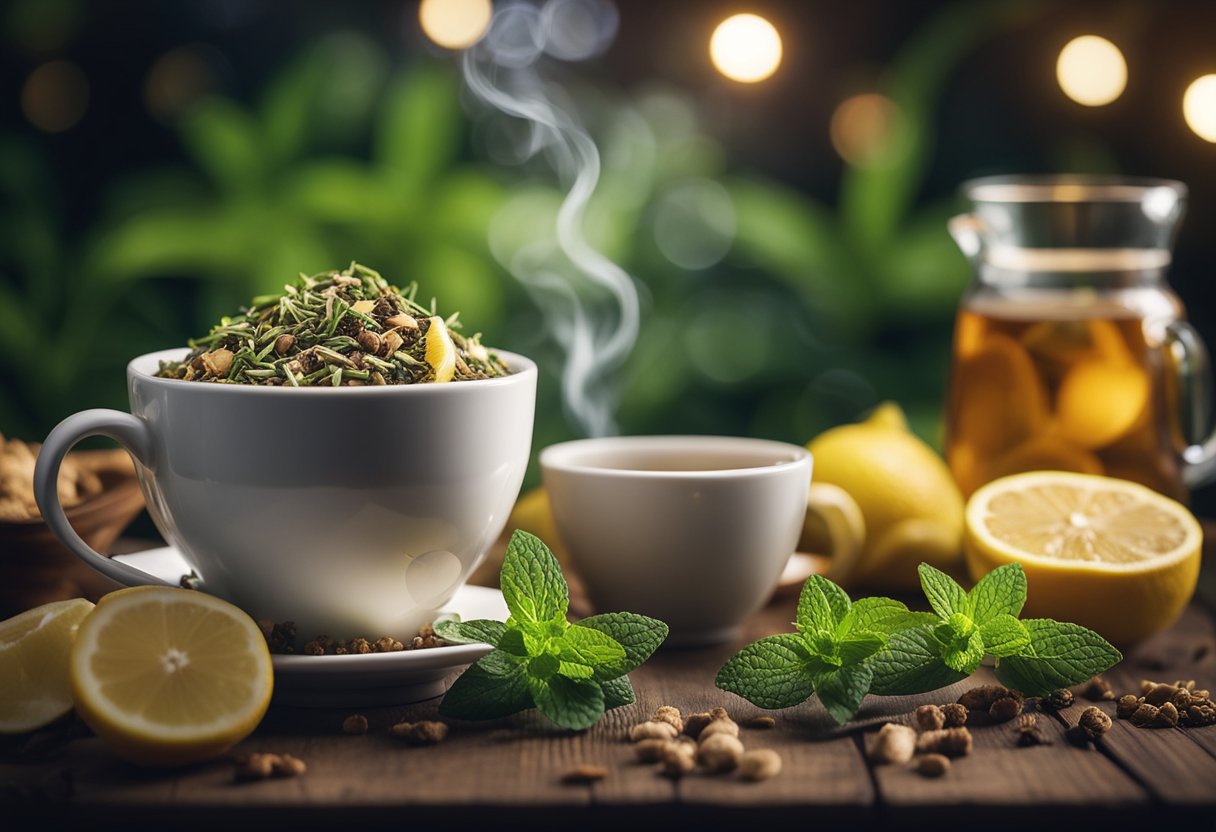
(358, 680)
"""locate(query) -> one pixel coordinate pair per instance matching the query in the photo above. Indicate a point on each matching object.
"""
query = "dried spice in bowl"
(338, 328)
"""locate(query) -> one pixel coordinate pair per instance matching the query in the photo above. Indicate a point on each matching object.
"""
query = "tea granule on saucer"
(281, 638)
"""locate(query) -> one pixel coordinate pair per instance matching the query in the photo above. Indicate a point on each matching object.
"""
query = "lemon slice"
(1105, 553)
(170, 676)
(440, 350)
(34, 687)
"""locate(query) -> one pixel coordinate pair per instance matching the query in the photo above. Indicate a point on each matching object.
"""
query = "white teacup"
(352, 511)
(693, 530)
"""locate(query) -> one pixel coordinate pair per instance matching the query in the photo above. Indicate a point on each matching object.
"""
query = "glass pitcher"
(1070, 349)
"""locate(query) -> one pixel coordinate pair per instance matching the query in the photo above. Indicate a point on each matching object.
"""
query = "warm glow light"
(745, 48)
(864, 129)
(55, 96)
(1091, 71)
(1199, 107)
(455, 24)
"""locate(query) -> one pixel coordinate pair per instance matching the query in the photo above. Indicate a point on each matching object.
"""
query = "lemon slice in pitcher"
(440, 350)
(1105, 553)
(34, 688)
(170, 676)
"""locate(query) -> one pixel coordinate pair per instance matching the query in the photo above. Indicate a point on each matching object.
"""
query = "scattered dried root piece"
(652, 731)
(955, 714)
(354, 724)
(427, 732)
(932, 765)
(1027, 733)
(1127, 706)
(1005, 709)
(1057, 700)
(670, 715)
(651, 750)
(285, 765)
(1098, 689)
(719, 752)
(1167, 716)
(694, 724)
(1144, 714)
(678, 759)
(263, 766)
(895, 744)
(1095, 722)
(1159, 694)
(720, 726)
(930, 718)
(760, 764)
(981, 698)
(584, 773)
(953, 742)
(760, 722)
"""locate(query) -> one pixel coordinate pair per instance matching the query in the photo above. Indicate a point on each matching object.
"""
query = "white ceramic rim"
(1067, 188)
(145, 366)
(572, 456)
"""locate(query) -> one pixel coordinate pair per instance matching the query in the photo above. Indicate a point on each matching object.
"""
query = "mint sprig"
(571, 673)
(843, 650)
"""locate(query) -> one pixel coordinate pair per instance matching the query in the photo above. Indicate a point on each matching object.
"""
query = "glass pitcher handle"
(1193, 431)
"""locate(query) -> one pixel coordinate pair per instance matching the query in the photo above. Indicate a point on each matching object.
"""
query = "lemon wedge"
(34, 646)
(170, 676)
(440, 350)
(1105, 553)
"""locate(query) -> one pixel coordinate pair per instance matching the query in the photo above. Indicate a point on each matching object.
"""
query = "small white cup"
(353, 511)
(693, 530)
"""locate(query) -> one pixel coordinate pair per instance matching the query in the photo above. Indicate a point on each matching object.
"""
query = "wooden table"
(507, 773)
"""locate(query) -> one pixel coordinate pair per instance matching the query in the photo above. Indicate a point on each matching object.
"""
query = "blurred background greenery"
(161, 164)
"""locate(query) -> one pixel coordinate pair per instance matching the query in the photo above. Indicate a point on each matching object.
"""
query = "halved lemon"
(440, 350)
(34, 646)
(1105, 553)
(170, 676)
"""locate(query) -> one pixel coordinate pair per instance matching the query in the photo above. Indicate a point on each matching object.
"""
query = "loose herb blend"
(337, 328)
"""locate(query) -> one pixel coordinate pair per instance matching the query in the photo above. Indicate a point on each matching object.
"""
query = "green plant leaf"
(880, 615)
(911, 663)
(774, 672)
(478, 694)
(478, 631)
(514, 641)
(858, 647)
(964, 653)
(500, 663)
(841, 691)
(224, 141)
(1059, 654)
(585, 646)
(418, 134)
(617, 692)
(639, 635)
(532, 582)
(543, 667)
(1004, 635)
(822, 605)
(1001, 592)
(571, 703)
(945, 596)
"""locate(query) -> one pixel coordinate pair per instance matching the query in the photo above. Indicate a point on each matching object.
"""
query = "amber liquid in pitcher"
(1067, 387)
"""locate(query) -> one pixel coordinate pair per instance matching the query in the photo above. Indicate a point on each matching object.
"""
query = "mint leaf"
(638, 635)
(879, 615)
(574, 670)
(822, 605)
(964, 653)
(911, 663)
(532, 582)
(617, 692)
(774, 672)
(477, 694)
(1059, 654)
(944, 594)
(841, 691)
(514, 641)
(1004, 635)
(1001, 592)
(478, 631)
(856, 648)
(544, 667)
(500, 663)
(571, 703)
(585, 646)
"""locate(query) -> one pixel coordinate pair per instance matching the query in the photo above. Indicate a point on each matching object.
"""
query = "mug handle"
(1192, 394)
(129, 432)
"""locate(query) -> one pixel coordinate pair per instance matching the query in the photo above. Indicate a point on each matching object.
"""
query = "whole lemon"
(912, 508)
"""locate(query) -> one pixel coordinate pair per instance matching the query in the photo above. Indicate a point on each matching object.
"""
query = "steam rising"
(589, 302)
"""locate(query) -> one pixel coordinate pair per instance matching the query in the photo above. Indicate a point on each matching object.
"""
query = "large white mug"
(352, 511)
(693, 530)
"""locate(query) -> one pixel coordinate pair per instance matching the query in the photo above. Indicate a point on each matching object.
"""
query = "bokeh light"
(1091, 71)
(175, 81)
(576, 30)
(694, 223)
(1199, 107)
(746, 48)
(55, 96)
(455, 24)
(864, 129)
